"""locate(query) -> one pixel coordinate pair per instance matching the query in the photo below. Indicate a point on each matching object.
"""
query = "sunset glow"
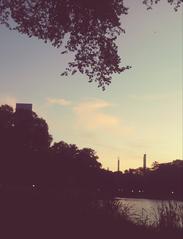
(140, 112)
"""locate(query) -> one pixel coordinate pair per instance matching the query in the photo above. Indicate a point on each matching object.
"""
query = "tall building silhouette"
(118, 165)
(23, 106)
(144, 162)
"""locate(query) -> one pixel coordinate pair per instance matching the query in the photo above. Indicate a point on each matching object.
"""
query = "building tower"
(144, 162)
(24, 113)
(118, 164)
(23, 106)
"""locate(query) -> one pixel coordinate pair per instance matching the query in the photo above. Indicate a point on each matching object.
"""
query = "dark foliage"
(89, 28)
(26, 157)
(46, 216)
(86, 28)
(23, 130)
(161, 181)
(175, 3)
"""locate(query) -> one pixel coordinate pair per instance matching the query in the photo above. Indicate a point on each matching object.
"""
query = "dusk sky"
(140, 112)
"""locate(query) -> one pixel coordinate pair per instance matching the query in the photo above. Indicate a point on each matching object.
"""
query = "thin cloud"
(60, 101)
(94, 104)
(90, 114)
(93, 115)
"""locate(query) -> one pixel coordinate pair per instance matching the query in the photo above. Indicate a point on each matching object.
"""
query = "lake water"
(147, 210)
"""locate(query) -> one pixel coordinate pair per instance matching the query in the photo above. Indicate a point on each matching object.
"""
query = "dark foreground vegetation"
(46, 216)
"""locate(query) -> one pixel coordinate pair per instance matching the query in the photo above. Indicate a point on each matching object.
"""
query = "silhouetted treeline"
(28, 161)
(27, 158)
(162, 180)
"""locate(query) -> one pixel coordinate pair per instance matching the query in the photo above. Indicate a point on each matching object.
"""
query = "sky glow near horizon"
(141, 111)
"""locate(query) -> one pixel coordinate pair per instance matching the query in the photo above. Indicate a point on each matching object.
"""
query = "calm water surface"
(147, 209)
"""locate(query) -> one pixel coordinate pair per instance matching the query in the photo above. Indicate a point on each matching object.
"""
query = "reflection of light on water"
(147, 211)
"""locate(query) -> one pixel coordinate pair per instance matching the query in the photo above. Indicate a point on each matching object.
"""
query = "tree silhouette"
(91, 28)
(23, 129)
(24, 140)
(64, 151)
(26, 158)
(6, 113)
(6, 123)
(31, 132)
(88, 158)
(175, 3)
(88, 28)
(73, 164)
(69, 154)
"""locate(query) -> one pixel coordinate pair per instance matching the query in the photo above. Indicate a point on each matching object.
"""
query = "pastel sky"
(141, 111)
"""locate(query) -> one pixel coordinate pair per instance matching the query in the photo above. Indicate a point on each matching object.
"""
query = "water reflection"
(149, 211)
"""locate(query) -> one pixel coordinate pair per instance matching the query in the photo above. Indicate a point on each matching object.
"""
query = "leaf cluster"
(175, 3)
(86, 28)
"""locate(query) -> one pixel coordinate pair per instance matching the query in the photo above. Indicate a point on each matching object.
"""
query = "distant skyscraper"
(23, 113)
(118, 164)
(23, 106)
(144, 162)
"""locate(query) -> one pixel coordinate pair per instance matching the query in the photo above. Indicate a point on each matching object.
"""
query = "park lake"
(147, 209)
